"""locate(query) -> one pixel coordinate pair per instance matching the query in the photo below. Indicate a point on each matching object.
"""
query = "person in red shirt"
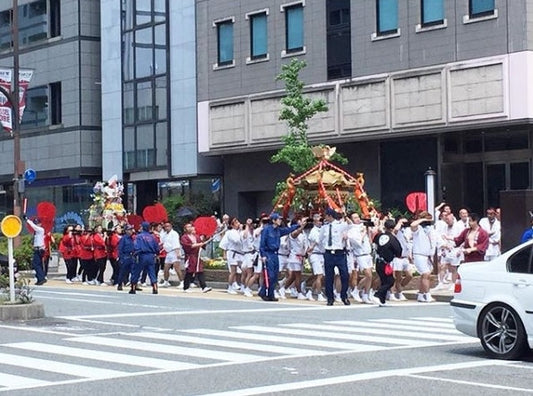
(48, 241)
(86, 252)
(191, 246)
(112, 252)
(66, 248)
(100, 253)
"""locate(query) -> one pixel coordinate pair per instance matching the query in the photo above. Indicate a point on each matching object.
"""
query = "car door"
(520, 273)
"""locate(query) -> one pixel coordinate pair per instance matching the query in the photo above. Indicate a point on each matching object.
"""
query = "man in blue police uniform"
(146, 250)
(268, 249)
(126, 251)
(333, 237)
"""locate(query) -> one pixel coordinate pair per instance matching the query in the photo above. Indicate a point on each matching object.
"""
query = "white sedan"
(493, 301)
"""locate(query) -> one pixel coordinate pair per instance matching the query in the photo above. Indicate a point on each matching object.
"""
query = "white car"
(493, 301)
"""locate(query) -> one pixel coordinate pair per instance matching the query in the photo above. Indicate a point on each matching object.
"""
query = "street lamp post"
(15, 106)
(430, 189)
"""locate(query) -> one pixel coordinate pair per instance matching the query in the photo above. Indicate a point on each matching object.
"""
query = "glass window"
(161, 98)
(225, 42)
(294, 28)
(160, 10)
(33, 24)
(128, 60)
(128, 11)
(432, 12)
(143, 12)
(55, 103)
(519, 172)
(145, 153)
(55, 20)
(258, 34)
(161, 134)
(36, 111)
(519, 262)
(144, 101)
(143, 53)
(160, 49)
(387, 16)
(481, 7)
(128, 104)
(129, 148)
(5, 30)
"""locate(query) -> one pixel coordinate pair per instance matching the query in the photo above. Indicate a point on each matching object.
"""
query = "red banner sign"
(6, 111)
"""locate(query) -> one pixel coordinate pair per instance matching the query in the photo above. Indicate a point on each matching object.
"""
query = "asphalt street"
(98, 340)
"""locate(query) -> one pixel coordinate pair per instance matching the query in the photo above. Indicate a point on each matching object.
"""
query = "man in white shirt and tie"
(38, 249)
(333, 237)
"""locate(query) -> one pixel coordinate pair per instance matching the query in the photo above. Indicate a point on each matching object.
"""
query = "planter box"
(34, 310)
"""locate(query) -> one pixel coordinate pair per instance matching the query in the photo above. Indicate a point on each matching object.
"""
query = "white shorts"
(350, 262)
(283, 261)
(294, 266)
(364, 262)
(422, 264)
(317, 263)
(172, 257)
(259, 267)
(234, 258)
(248, 260)
(400, 264)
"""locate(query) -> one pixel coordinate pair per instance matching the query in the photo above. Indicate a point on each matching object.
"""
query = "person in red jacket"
(66, 248)
(112, 251)
(191, 246)
(100, 253)
(474, 240)
(86, 253)
(77, 232)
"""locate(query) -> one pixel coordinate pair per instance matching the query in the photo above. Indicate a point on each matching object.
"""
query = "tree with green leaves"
(296, 111)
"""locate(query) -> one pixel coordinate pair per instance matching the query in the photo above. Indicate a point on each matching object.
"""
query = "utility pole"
(15, 115)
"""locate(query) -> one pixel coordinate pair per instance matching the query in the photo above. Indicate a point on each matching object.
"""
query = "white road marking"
(169, 349)
(10, 380)
(396, 334)
(470, 383)
(58, 367)
(287, 387)
(410, 322)
(103, 356)
(414, 327)
(229, 344)
(273, 338)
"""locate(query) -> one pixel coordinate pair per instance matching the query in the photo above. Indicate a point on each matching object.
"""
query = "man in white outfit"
(493, 227)
(315, 252)
(423, 252)
(172, 246)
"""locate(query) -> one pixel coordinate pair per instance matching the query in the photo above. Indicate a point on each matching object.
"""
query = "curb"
(34, 310)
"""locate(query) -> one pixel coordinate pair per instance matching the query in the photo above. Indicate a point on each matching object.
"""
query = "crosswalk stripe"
(103, 356)
(287, 340)
(59, 367)
(410, 322)
(414, 326)
(324, 334)
(169, 349)
(376, 331)
(432, 319)
(13, 381)
(227, 344)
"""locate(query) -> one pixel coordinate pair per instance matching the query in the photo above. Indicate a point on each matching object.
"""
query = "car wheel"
(501, 332)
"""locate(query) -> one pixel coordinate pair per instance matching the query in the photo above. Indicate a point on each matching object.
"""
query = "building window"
(258, 36)
(144, 88)
(43, 107)
(339, 42)
(432, 12)
(480, 8)
(294, 27)
(38, 21)
(387, 17)
(224, 42)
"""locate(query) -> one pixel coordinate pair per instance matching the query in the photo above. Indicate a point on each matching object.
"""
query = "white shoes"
(248, 292)
(68, 281)
(180, 286)
(231, 290)
(309, 295)
(206, 289)
(172, 271)
(300, 296)
(355, 294)
(367, 300)
(236, 286)
(189, 290)
(400, 297)
(294, 292)
(282, 293)
(165, 284)
(193, 285)
(321, 298)
(424, 298)
(378, 301)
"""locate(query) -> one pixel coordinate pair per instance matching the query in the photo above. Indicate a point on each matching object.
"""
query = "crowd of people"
(342, 251)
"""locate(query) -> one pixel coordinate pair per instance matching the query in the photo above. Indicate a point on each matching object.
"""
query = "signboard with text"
(6, 112)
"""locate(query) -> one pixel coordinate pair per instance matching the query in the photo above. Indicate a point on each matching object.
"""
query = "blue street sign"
(30, 175)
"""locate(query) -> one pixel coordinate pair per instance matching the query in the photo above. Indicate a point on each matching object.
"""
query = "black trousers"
(189, 277)
(386, 281)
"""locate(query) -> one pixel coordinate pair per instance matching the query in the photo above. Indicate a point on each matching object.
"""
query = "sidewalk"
(214, 279)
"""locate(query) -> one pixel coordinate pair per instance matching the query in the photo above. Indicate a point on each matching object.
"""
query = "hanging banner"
(5, 107)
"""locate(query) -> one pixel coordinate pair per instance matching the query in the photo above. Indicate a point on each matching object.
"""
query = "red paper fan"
(416, 201)
(155, 213)
(205, 225)
(46, 212)
(135, 221)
